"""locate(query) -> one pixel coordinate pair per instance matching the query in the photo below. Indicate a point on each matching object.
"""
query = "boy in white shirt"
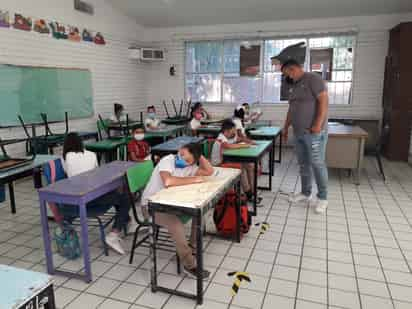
(195, 123)
(187, 167)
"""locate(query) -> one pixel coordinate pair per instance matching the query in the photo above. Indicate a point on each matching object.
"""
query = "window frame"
(262, 71)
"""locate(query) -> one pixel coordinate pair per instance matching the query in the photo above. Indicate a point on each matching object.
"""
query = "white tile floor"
(359, 255)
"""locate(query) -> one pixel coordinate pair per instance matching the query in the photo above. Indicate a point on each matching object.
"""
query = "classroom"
(173, 154)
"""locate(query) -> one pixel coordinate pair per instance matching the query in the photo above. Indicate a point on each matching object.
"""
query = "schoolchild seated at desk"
(198, 108)
(119, 114)
(228, 139)
(77, 160)
(251, 115)
(152, 122)
(195, 122)
(238, 120)
(138, 149)
(186, 167)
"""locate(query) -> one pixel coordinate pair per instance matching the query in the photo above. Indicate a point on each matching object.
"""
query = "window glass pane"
(232, 56)
(238, 89)
(203, 87)
(204, 57)
(271, 87)
(332, 58)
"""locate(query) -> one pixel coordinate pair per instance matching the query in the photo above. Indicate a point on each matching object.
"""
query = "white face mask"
(139, 137)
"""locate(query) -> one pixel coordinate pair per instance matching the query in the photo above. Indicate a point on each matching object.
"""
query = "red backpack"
(224, 215)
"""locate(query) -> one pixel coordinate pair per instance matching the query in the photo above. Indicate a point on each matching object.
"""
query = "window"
(236, 71)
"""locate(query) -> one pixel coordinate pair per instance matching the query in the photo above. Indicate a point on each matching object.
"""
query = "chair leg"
(378, 158)
(179, 268)
(103, 237)
(134, 245)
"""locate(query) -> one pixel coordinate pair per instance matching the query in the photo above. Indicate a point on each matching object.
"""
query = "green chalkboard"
(30, 91)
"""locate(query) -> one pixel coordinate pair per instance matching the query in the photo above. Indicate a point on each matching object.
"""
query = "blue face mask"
(180, 162)
(151, 115)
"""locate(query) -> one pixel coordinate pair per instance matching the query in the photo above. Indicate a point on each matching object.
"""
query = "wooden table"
(78, 191)
(345, 148)
(24, 289)
(193, 200)
(253, 154)
(172, 146)
(32, 169)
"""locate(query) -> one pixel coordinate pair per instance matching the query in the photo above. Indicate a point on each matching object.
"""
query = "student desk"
(165, 132)
(78, 191)
(269, 133)
(176, 121)
(107, 147)
(32, 169)
(123, 126)
(172, 146)
(212, 121)
(345, 148)
(209, 131)
(257, 124)
(24, 289)
(253, 155)
(193, 200)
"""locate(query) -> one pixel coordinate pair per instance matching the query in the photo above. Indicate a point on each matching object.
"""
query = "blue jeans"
(311, 152)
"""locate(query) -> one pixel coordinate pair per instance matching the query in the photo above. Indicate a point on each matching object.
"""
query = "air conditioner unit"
(152, 54)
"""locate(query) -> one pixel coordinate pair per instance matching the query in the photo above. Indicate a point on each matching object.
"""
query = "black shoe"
(193, 273)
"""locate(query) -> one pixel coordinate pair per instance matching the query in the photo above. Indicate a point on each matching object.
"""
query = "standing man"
(308, 115)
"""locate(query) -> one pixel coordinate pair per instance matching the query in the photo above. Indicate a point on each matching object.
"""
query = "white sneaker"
(114, 241)
(321, 206)
(299, 197)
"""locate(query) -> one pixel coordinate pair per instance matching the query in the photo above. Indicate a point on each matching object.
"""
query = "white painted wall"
(369, 67)
(115, 78)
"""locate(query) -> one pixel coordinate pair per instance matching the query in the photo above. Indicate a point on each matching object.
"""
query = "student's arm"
(243, 138)
(173, 181)
(205, 167)
(322, 111)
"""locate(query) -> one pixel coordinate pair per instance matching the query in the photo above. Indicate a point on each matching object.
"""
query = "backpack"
(224, 215)
(67, 241)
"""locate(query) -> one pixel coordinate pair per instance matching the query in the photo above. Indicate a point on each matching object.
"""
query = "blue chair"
(53, 172)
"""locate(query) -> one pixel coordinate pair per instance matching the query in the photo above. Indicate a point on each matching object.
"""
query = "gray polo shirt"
(303, 102)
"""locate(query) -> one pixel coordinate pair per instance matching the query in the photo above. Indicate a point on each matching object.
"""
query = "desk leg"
(85, 241)
(12, 198)
(51, 301)
(271, 166)
(238, 212)
(360, 160)
(37, 181)
(280, 148)
(255, 187)
(153, 253)
(46, 237)
(199, 257)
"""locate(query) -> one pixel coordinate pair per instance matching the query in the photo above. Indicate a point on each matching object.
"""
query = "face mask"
(198, 116)
(180, 162)
(151, 115)
(139, 136)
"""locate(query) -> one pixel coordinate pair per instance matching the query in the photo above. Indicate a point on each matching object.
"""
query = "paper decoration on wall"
(74, 34)
(99, 39)
(40, 26)
(4, 19)
(86, 35)
(59, 31)
(22, 23)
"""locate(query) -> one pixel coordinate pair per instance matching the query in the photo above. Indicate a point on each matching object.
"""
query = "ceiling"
(173, 13)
